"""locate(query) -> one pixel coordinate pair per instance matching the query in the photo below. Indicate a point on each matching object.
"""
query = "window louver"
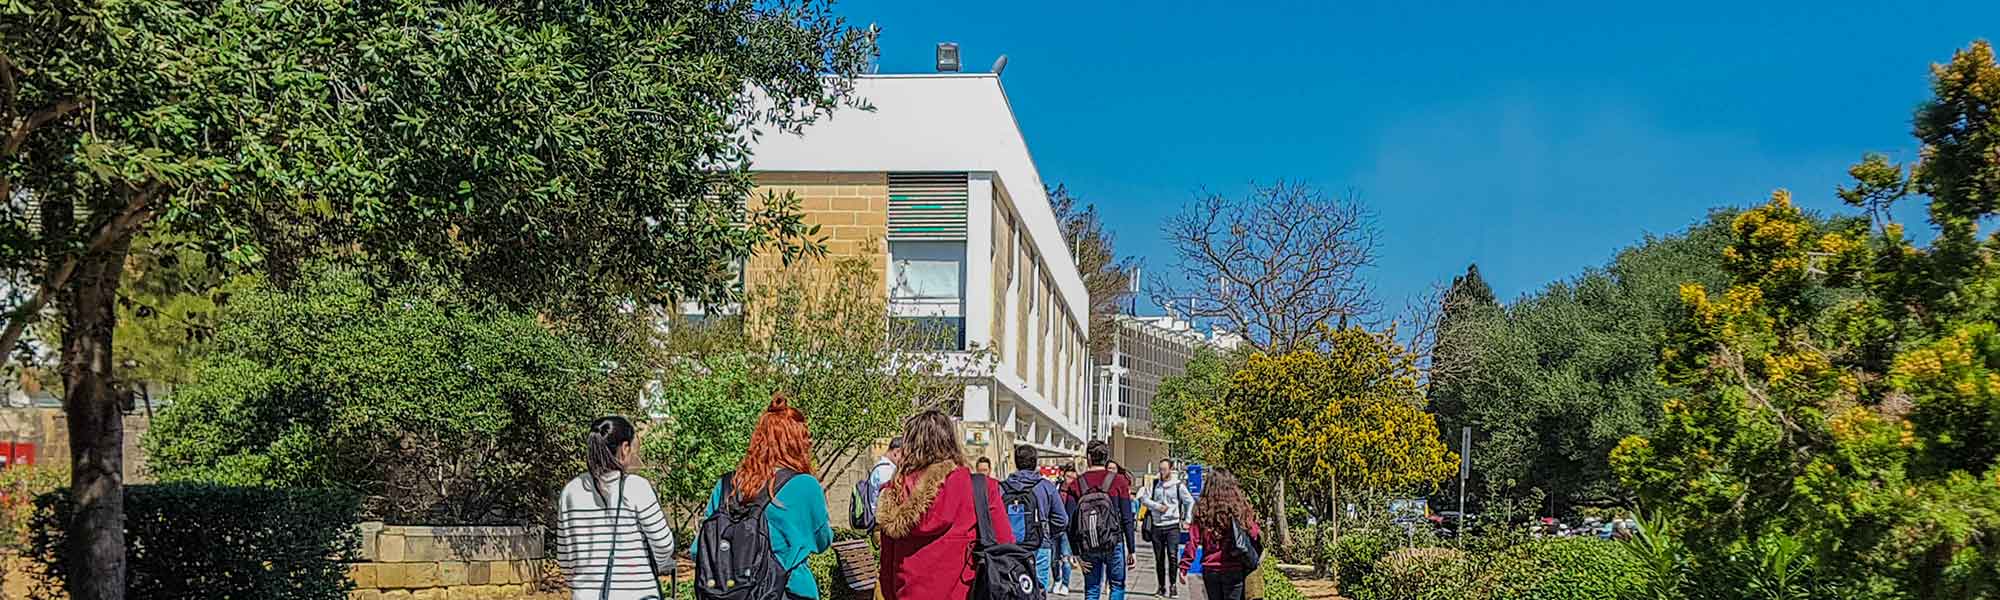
(927, 206)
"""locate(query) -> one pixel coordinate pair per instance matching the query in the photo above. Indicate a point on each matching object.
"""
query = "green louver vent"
(927, 206)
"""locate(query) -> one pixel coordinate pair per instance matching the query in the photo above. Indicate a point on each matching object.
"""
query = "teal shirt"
(799, 528)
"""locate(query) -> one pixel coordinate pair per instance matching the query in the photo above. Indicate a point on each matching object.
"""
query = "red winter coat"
(928, 527)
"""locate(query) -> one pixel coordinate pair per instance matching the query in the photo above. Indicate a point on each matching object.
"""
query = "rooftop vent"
(947, 57)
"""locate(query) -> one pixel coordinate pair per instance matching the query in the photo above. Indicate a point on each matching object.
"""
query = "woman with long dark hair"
(1220, 512)
(926, 515)
(778, 471)
(611, 538)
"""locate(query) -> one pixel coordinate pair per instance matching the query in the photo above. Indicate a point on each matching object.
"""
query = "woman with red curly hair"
(777, 472)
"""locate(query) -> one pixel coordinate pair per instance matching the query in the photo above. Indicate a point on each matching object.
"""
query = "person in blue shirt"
(1050, 510)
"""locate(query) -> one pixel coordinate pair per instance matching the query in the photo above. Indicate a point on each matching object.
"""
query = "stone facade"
(851, 210)
(449, 563)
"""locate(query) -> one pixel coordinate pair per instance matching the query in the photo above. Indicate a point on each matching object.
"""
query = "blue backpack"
(1023, 514)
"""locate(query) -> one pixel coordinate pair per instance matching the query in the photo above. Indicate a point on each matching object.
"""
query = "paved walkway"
(1139, 582)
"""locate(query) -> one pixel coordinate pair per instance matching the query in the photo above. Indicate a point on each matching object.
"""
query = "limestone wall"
(448, 563)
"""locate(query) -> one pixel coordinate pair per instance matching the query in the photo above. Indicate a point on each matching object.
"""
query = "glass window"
(926, 279)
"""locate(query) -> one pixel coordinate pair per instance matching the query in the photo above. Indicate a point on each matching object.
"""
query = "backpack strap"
(979, 506)
(727, 498)
(604, 591)
(1105, 484)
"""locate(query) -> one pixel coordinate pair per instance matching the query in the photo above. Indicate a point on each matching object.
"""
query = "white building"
(936, 184)
(1145, 351)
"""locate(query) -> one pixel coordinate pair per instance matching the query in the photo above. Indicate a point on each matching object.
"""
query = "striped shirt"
(591, 533)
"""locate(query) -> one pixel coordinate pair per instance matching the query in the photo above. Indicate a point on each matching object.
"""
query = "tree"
(434, 409)
(1352, 414)
(567, 156)
(821, 336)
(1107, 277)
(1552, 382)
(1275, 265)
(1188, 406)
(1839, 391)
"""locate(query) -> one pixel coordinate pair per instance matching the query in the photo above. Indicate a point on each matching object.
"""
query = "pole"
(1464, 473)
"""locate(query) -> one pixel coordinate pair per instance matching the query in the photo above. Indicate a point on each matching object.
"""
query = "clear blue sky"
(1532, 138)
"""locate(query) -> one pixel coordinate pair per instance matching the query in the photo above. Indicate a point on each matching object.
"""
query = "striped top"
(590, 533)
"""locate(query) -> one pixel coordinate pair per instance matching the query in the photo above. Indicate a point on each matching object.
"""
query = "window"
(927, 291)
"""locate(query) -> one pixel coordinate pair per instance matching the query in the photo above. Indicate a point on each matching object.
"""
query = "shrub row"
(1554, 569)
(216, 542)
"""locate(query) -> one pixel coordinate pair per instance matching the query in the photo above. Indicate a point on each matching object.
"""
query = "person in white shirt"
(1169, 507)
(885, 467)
(612, 540)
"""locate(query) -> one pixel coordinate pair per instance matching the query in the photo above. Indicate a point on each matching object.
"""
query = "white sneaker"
(1062, 590)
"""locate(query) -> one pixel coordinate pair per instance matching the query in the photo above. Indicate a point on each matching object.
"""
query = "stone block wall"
(852, 210)
(448, 563)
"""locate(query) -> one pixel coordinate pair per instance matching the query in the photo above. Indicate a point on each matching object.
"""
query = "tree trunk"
(96, 429)
(1284, 526)
(1333, 497)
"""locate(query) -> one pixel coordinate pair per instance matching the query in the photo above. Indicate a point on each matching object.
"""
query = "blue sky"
(1534, 139)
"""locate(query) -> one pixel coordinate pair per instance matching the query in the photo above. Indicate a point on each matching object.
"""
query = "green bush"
(1354, 556)
(1276, 586)
(198, 541)
(19, 487)
(1567, 569)
(436, 411)
(1419, 574)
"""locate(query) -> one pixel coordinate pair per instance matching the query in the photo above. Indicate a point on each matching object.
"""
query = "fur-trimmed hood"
(902, 506)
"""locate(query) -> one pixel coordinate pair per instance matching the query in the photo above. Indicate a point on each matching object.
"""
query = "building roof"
(934, 122)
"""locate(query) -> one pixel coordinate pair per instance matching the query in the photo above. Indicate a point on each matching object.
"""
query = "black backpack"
(1099, 525)
(861, 508)
(733, 558)
(1024, 514)
(1006, 571)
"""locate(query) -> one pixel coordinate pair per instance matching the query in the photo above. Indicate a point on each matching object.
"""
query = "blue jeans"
(1042, 558)
(1094, 576)
(1062, 560)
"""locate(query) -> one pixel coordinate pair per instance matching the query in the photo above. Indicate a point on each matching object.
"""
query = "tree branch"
(35, 121)
(124, 223)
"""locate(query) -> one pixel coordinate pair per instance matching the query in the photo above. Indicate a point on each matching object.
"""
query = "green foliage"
(435, 411)
(1552, 569)
(198, 541)
(1552, 382)
(1355, 555)
(20, 485)
(1417, 574)
(823, 337)
(1276, 585)
(1186, 407)
(500, 142)
(1352, 412)
(1833, 437)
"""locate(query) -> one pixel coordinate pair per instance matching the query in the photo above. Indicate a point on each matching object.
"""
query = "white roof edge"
(935, 122)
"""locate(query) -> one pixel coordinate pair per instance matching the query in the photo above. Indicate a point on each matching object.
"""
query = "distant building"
(1145, 351)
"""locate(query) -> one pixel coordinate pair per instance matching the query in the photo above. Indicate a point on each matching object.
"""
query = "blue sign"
(1194, 479)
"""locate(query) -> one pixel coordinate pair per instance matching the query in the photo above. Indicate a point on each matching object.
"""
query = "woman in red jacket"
(1221, 509)
(926, 518)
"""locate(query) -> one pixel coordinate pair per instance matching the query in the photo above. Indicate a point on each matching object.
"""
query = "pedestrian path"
(1139, 582)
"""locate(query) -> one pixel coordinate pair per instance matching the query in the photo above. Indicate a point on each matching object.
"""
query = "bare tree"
(1272, 265)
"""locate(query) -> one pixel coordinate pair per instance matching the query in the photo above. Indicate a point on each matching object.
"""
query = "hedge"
(217, 542)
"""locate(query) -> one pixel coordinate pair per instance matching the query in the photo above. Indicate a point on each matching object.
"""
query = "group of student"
(944, 528)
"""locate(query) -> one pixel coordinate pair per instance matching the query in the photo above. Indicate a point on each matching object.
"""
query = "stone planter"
(447, 563)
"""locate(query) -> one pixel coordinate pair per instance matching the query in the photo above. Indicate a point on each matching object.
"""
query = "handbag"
(605, 592)
(1246, 547)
